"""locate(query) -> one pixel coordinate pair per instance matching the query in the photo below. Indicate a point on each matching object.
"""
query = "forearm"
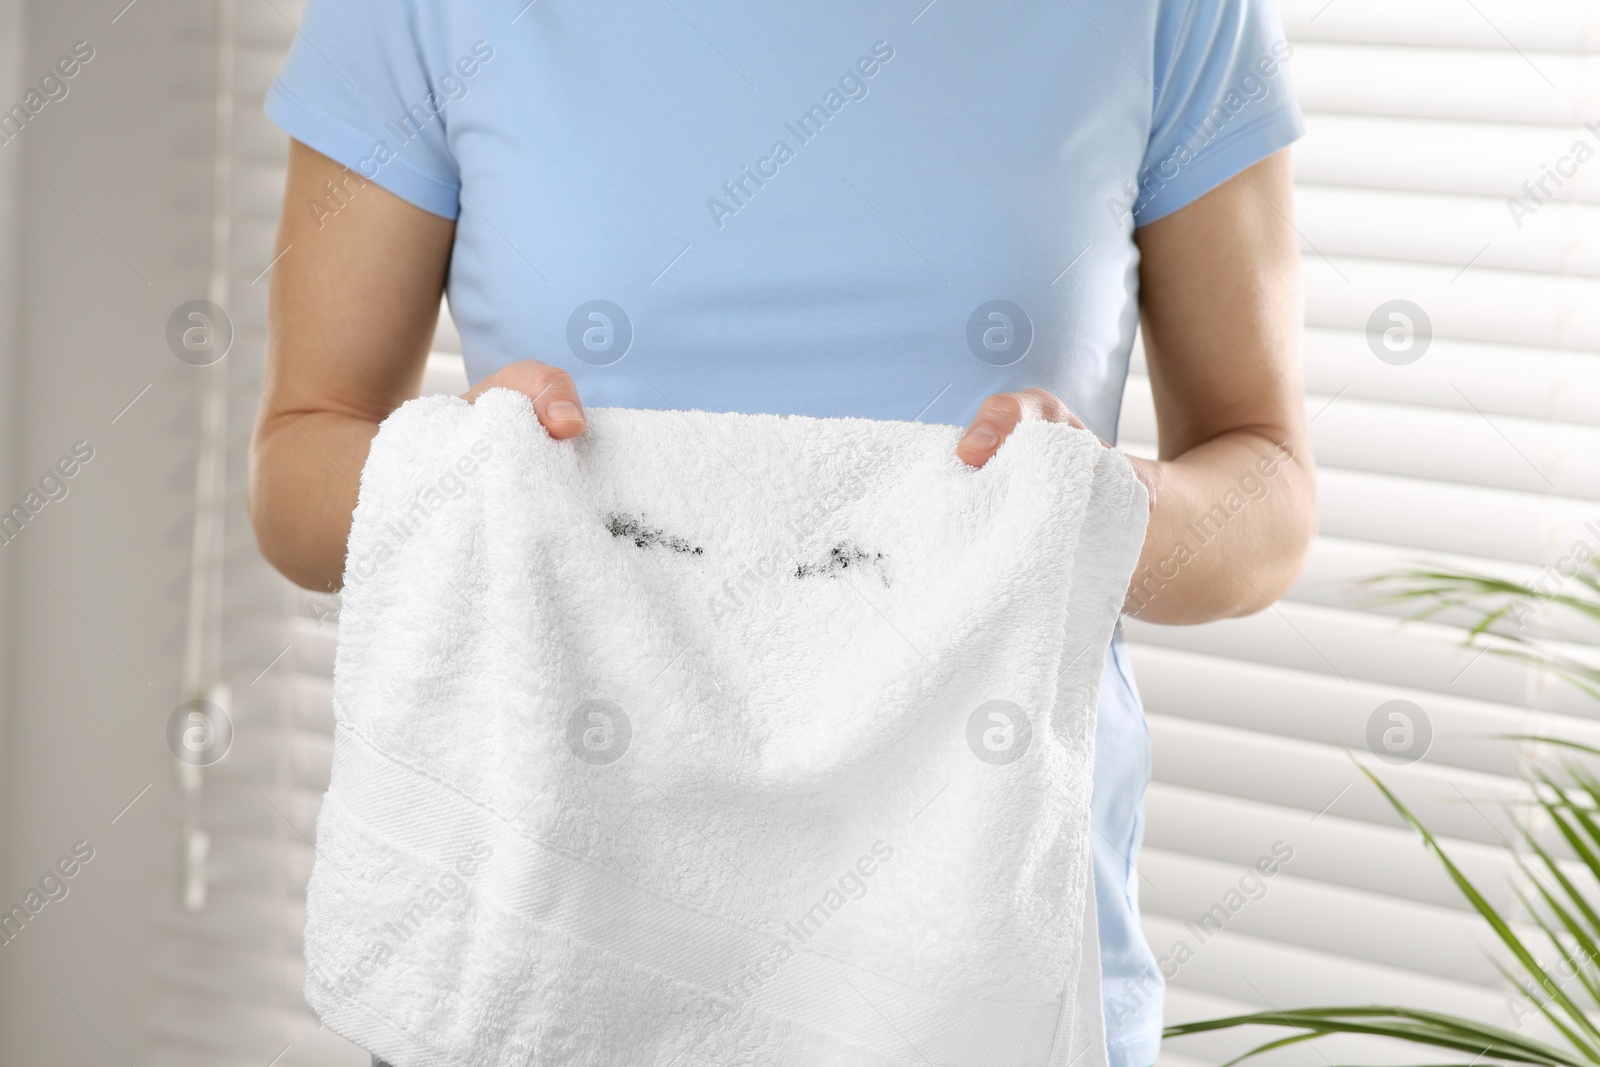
(1235, 510)
(305, 470)
(1234, 519)
(352, 312)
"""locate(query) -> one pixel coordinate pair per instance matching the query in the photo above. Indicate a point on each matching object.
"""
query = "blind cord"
(202, 658)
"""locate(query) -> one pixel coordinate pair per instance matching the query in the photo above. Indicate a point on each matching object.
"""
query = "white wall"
(97, 580)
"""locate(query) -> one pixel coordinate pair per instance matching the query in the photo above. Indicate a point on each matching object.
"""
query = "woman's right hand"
(355, 298)
(554, 396)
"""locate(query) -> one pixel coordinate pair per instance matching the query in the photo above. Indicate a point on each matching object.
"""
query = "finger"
(996, 418)
(555, 401)
(1045, 405)
(551, 389)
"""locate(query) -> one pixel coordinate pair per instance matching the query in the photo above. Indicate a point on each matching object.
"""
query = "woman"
(943, 211)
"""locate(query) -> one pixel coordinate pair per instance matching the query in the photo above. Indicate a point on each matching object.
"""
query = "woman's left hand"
(1233, 496)
(1000, 414)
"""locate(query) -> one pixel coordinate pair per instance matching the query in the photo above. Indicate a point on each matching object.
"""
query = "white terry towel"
(711, 739)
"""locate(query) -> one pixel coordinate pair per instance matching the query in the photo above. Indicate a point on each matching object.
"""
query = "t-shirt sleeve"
(358, 88)
(1223, 100)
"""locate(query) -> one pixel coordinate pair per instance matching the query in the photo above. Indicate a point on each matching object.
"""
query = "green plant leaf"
(1405, 1024)
(1501, 929)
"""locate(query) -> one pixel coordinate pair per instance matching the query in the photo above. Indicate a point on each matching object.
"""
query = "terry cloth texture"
(709, 739)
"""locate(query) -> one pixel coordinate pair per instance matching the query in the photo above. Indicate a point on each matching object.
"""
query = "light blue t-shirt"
(888, 210)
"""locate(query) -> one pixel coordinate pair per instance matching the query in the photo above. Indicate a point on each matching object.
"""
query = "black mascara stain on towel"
(845, 554)
(644, 537)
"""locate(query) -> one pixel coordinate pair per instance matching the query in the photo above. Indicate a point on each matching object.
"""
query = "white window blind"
(229, 975)
(1423, 118)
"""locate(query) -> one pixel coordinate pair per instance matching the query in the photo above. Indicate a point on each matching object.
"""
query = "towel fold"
(708, 739)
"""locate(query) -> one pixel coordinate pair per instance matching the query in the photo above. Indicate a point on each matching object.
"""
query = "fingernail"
(563, 411)
(983, 438)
